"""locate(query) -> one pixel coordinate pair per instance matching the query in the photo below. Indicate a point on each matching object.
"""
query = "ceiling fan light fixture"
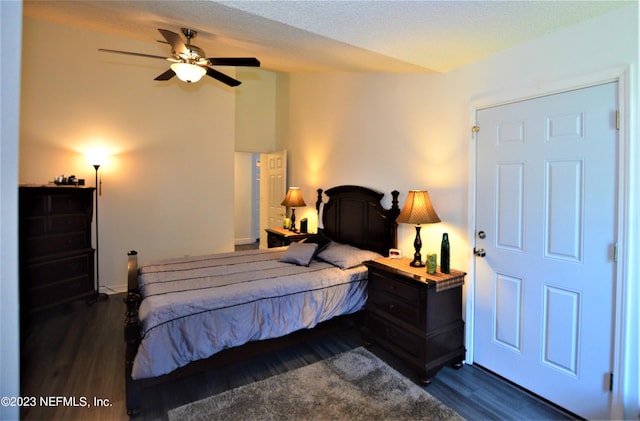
(188, 72)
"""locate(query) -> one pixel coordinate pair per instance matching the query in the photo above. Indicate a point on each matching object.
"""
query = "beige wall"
(255, 110)
(168, 184)
(397, 131)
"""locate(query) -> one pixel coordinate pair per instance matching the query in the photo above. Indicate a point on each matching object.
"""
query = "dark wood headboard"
(354, 215)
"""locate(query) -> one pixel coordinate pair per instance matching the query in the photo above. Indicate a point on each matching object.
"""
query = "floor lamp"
(99, 296)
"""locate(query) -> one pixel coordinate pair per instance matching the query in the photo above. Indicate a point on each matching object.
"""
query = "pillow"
(318, 239)
(345, 256)
(299, 253)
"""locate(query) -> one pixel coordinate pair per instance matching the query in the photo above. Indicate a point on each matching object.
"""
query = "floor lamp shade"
(418, 210)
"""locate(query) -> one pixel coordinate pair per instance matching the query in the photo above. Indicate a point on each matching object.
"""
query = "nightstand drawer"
(380, 301)
(390, 333)
(383, 282)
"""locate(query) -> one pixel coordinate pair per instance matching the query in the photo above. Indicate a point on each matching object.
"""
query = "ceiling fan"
(190, 62)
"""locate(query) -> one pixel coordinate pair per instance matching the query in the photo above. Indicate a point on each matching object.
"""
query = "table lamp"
(418, 210)
(293, 200)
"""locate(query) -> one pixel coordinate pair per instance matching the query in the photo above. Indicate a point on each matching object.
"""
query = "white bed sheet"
(194, 307)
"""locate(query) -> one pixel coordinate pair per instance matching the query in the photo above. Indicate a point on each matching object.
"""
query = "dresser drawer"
(40, 298)
(37, 275)
(392, 334)
(31, 205)
(54, 244)
(68, 223)
(67, 203)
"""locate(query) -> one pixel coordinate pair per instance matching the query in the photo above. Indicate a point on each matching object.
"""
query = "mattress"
(194, 307)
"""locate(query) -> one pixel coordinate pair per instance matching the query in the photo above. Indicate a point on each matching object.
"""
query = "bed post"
(393, 215)
(131, 334)
(319, 200)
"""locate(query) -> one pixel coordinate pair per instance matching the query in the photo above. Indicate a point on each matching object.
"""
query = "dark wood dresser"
(278, 237)
(56, 257)
(415, 315)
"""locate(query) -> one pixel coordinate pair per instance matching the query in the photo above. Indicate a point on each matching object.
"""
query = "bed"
(184, 315)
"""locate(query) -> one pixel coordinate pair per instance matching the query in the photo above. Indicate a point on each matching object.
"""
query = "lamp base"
(417, 261)
(417, 244)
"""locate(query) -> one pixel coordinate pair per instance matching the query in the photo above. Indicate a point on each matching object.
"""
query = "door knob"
(479, 252)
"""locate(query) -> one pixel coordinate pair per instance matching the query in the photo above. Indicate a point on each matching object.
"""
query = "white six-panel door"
(273, 189)
(546, 218)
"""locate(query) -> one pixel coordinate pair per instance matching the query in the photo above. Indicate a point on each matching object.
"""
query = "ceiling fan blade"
(234, 61)
(166, 75)
(222, 77)
(176, 42)
(130, 53)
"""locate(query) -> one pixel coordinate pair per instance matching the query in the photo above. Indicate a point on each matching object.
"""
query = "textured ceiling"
(318, 36)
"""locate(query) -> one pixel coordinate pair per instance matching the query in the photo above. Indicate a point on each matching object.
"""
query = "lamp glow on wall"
(188, 72)
(293, 200)
(97, 158)
(418, 210)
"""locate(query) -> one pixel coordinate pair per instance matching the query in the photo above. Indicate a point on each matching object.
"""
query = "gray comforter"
(193, 307)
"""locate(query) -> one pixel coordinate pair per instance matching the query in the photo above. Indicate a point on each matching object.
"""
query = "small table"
(278, 237)
(415, 315)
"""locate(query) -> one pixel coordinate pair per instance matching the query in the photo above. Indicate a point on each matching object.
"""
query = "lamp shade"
(294, 198)
(96, 157)
(187, 72)
(418, 209)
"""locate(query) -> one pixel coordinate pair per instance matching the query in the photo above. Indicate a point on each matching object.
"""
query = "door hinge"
(615, 252)
(610, 382)
(617, 119)
(475, 129)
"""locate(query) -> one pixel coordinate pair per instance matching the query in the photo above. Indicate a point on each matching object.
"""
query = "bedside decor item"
(395, 254)
(97, 158)
(432, 261)
(293, 200)
(444, 254)
(418, 210)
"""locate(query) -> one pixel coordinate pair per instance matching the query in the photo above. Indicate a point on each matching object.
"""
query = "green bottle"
(444, 254)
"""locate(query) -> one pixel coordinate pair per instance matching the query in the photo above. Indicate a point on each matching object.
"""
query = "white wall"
(10, 45)
(168, 184)
(394, 131)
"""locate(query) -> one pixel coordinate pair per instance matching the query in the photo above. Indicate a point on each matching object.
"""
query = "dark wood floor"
(78, 353)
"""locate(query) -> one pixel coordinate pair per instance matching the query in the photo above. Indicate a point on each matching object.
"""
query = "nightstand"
(278, 237)
(415, 315)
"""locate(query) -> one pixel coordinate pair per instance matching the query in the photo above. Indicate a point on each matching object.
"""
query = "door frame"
(625, 384)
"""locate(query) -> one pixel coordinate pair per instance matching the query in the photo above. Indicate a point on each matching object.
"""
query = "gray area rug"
(355, 385)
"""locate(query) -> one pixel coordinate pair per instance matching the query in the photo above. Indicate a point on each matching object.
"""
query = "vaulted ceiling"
(320, 36)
